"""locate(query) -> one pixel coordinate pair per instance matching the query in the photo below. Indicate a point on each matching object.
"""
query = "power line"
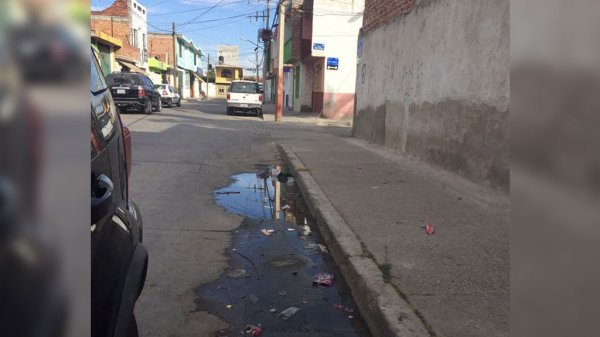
(196, 9)
(208, 10)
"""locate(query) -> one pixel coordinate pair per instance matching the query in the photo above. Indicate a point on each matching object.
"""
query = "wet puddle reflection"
(271, 287)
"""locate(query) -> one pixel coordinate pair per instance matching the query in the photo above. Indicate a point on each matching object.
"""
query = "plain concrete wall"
(434, 84)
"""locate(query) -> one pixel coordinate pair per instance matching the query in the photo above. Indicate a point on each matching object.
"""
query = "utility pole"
(207, 71)
(266, 48)
(256, 53)
(175, 84)
(280, 33)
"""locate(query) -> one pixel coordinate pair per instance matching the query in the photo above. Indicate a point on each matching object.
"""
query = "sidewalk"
(456, 280)
(302, 117)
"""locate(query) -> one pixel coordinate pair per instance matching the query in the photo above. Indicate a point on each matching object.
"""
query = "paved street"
(180, 156)
(455, 280)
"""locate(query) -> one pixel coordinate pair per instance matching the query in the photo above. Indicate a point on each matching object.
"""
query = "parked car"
(119, 260)
(168, 95)
(244, 96)
(134, 91)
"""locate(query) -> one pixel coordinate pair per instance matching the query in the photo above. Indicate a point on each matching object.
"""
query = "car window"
(97, 82)
(159, 86)
(148, 82)
(244, 88)
(172, 89)
(123, 78)
(102, 108)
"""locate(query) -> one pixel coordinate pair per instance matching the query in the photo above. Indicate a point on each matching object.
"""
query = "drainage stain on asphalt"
(274, 258)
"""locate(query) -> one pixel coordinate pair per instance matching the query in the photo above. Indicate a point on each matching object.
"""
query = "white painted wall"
(139, 21)
(336, 24)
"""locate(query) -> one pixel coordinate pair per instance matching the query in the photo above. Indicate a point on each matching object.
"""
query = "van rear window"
(116, 78)
(244, 88)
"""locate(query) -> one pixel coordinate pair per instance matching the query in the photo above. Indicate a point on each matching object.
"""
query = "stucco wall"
(434, 84)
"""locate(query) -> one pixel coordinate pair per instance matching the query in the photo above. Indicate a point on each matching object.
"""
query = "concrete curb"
(384, 311)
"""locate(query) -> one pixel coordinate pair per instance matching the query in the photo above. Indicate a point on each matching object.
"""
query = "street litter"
(285, 207)
(229, 306)
(267, 232)
(282, 293)
(229, 192)
(272, 310)
(323, 248)
(338, 307)
(238, 273)
(253, 330)
(283, 177)
(351, 317)
(428, 229)
(323, 279)
(289, 312)
(291, 230)
(348, 310)
(291, 181)
(306, 230)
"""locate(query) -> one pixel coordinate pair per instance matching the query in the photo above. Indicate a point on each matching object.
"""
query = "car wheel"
(158, 105)
(148, 107)
(179, 102)
(170, 103)
(258, 112)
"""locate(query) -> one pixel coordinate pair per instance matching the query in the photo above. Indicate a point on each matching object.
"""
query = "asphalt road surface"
(180, 157)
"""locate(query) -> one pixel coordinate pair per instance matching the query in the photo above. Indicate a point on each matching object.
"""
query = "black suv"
(133, 90)
(119, 260)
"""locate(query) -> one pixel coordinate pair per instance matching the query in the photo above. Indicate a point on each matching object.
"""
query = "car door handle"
(103, 183)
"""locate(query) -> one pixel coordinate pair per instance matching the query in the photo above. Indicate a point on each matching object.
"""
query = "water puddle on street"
(276, 257)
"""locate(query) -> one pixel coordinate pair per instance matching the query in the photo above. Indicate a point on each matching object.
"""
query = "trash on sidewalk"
(290, 181)
(323, 279)
(272, 310)
(283, 177)
(229, 306)
(253, 330)
(291, 230)
(338, 307)
(323, 248)
(289, 312)
(285, 207)
(428, 229)
(229, 192)
(238, 273)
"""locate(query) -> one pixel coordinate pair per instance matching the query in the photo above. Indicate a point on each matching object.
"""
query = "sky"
(191, 16)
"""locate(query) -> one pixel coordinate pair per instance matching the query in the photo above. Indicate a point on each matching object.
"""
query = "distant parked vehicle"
(168, 95)
(244, 96)
(133, 90)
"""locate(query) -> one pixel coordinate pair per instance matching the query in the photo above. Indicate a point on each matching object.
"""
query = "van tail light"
(165, 93)
(141, 91)
(260, 98)
(228, 96)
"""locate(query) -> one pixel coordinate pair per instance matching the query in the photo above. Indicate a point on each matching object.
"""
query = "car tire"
(148, 108)
(158, 105)
(170, 103)
(179, 102)
(258, 112)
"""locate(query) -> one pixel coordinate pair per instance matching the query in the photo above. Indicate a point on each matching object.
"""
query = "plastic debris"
(282, 293)
(272, 310)
(290, 181)
(351, 317)
(267, 232)
(291, 230)
(238, 273)
(338, 307)
(306, 230)
(289, 312)
(429, 229)
(285, 207)
(323, 248)
(323, 279)
(253, 330)
(229, 306)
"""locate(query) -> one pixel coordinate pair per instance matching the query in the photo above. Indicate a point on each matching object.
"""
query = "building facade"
(224, 74)
(433, 83)
(125, 20)
(228, 54)
(105, 47)
(319, 56)
(187, 62)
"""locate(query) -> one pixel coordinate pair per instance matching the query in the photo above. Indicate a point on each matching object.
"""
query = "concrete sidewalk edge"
(383, 309)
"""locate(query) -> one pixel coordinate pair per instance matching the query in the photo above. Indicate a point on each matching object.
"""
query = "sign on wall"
(318, 49)
(332, 63)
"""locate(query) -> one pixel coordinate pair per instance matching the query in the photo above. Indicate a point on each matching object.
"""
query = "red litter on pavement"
(429, 229)
(323, 279)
